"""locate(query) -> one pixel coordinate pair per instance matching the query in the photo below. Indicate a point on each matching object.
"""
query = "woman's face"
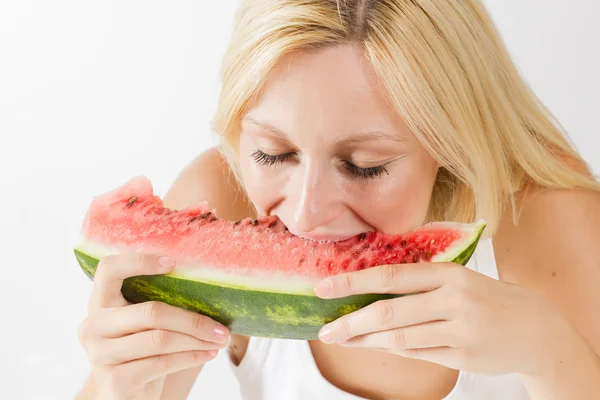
(321, 149)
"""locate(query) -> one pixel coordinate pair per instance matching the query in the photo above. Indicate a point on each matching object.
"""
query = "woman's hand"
(460, 318)
(132, 348)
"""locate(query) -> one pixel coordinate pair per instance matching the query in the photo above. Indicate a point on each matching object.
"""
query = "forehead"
(330, 92)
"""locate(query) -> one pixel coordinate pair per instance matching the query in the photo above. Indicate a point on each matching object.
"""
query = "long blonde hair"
(444, 69)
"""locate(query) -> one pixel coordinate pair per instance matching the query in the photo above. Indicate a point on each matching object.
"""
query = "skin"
(540, 320)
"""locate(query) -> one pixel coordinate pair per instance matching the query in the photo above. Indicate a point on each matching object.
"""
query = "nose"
(315, 197)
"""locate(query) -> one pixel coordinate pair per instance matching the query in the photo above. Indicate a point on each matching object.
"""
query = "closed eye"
(263, 158)
(364, 173)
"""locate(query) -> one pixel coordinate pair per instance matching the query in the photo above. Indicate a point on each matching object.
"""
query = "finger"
(397, 279)
(148, 369)
(113, 270)
(383, 315)
(450, 357)
(121, 321)
(422, 336)
(148, 344)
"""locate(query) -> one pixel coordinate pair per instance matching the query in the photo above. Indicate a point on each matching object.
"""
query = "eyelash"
(365, 173)
(263, 158)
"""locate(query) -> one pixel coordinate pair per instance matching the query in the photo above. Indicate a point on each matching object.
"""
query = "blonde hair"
(444, 69)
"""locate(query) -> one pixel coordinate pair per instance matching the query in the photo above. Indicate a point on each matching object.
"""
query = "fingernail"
(166, 262)
(323, 288)
(221, 333)
(325, 335)
(213, 353)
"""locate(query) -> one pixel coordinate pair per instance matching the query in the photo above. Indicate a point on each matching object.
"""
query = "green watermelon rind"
(460, 253)
(257, 313)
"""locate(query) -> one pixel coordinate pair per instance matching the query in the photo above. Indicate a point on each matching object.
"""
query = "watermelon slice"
(252, 275)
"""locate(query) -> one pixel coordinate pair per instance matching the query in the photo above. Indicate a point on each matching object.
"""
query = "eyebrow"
(267, 126)
(353, 139)
(369, 135)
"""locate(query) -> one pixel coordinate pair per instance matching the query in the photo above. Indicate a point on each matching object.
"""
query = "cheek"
(398, 202)
(263, 185)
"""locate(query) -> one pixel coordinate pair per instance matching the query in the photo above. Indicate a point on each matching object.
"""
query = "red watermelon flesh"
(253, 253)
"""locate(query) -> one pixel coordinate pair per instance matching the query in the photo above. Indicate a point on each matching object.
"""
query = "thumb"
(113, 270)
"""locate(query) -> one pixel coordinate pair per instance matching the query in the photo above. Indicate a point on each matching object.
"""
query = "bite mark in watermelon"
(252, 275)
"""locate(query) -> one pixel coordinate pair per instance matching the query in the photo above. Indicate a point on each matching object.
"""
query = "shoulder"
(550, 227)
(209, 178)
(551, 247)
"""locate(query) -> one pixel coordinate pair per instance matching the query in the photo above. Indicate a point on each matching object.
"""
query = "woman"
(347, 116)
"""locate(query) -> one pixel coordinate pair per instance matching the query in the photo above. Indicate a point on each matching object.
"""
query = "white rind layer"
(258, 281)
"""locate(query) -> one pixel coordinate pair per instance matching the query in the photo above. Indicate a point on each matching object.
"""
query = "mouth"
(322, 237)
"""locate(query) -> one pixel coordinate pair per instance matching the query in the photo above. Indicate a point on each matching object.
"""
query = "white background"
(93, 93)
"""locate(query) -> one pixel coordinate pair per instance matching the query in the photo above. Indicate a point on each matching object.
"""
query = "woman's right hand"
(132, 348)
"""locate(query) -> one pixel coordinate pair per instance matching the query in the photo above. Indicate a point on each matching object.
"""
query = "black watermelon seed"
(254, 222)
(204, 216)
(131, 201)
(389, 246)
(403, 262)
(193, 219)
(403, 243)
(415, 258)
(236, 223)
(272, 224)
(362, 236)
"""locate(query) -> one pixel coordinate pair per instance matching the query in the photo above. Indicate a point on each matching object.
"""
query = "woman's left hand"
(459, 318)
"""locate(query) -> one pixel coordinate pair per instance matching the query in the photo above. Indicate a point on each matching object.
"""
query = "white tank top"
(279, 369)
